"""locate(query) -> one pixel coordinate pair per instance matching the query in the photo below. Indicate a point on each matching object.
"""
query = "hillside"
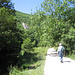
(23, 17)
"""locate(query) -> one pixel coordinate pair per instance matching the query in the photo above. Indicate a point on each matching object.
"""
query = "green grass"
(71, 56)
(37, 71)
(39, 64)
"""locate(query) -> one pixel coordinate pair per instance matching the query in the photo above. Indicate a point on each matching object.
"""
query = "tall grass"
(39, 65)
(37, 71)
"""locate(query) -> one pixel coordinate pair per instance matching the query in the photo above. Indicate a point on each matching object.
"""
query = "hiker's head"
(60, 44)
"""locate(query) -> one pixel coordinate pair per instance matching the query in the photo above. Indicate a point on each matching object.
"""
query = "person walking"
(60, 52)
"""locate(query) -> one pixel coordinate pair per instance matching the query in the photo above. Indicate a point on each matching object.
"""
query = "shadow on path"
(66, 61)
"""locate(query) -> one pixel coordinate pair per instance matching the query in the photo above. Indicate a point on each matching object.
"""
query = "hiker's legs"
(61, 58)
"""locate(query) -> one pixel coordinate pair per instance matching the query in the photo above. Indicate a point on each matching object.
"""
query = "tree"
(6, 4)
(57, 23)
(10, 36)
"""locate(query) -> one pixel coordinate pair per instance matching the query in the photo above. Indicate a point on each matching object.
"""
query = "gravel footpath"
(53, 66)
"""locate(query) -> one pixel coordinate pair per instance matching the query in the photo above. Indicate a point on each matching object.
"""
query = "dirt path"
(54, 67)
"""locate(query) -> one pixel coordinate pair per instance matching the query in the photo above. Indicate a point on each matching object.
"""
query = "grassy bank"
(35, 68)
(37, 71)
(71, 56)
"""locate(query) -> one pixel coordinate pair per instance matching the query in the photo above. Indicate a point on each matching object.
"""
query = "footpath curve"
(53, 66)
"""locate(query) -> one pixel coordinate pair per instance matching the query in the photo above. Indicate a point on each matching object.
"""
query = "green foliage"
(54, 23)
(72, 56)
(37, 71)
(22, 17)
(30, 63)
(10, 37)
(69, 40)
(6, 4)
(28, 41)
(27, 44)
(50, 25)
(9, 31)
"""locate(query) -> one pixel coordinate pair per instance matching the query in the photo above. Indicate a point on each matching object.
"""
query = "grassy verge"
(39, 64)
(71, 56)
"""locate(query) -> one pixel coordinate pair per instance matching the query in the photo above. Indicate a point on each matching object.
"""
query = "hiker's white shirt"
(60, 47)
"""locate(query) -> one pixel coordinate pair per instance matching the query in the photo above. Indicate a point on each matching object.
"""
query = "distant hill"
(23, 17)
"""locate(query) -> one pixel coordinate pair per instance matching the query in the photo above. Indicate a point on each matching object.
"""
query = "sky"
(26, 6)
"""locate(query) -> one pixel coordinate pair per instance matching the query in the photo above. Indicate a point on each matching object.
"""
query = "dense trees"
(54, 23)
(51, 24)
(10, 36)
(23, 17)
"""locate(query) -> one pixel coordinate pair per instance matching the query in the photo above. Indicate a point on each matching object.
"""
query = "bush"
(27, 44)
